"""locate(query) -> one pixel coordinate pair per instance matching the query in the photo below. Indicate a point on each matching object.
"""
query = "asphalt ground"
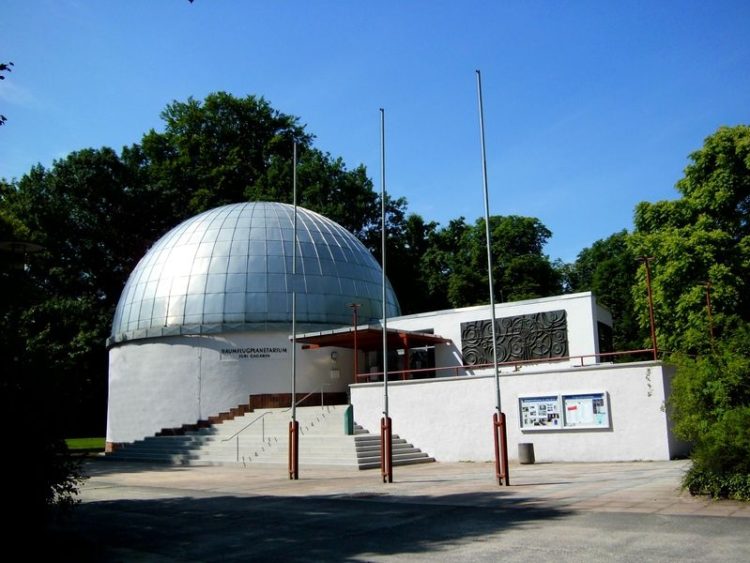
(440, 511)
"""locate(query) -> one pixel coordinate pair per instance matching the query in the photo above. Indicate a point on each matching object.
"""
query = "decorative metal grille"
(540, 336)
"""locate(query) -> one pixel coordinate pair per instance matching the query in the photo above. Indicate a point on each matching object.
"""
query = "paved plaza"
(440, 511)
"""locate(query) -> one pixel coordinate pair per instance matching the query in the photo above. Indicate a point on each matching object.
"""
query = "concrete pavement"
(444, 511)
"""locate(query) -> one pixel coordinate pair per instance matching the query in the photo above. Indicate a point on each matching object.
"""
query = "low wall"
(451, 418)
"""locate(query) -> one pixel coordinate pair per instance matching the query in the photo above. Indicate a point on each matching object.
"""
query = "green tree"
(703, 236)
(608, 269)
(407, 250)
(456, 264)
(79, 211)
(226, 149)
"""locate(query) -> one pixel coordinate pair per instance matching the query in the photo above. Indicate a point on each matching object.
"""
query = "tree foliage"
(608, 269)
(703, 236)
(456, 264)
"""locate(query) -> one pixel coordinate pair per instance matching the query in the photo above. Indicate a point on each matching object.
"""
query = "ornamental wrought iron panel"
(539, 336)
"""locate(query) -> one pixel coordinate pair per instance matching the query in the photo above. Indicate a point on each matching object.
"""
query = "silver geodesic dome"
(230, 269)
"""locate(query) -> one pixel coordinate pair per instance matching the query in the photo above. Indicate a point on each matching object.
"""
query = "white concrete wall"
(582, 313)
(166, 382)
(451, 418)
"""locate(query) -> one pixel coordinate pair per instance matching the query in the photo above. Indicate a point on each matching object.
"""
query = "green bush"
(710, 406)
(701, 481)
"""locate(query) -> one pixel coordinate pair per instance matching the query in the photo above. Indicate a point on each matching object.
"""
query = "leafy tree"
(79, 212)
(703, 236)
(220, 151)
(608, 269)
(227, 149)
(456, 264)
(408, 246)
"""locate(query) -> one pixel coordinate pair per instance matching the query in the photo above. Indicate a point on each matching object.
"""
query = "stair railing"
(310, 394)
(236, 435)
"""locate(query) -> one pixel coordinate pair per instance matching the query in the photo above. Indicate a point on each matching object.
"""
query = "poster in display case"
(540, 412)
(586, 411)
(564, 412)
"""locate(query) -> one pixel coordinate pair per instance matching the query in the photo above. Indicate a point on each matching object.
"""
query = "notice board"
(564, 412)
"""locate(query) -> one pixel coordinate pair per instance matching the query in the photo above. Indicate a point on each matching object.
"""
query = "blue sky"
(590, 106)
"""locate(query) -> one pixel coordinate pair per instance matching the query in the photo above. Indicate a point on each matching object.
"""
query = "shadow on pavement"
(229, 528)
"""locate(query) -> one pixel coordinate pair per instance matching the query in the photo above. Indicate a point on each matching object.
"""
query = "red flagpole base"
(500, 433)
(293, 450)
(386, 449)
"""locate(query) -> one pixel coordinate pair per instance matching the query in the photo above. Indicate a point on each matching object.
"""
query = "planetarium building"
(204, 320)
(204, 327)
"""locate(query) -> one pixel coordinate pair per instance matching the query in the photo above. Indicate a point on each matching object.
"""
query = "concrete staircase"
(261, 437)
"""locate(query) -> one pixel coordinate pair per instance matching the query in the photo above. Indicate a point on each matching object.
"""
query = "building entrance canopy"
(369, 338)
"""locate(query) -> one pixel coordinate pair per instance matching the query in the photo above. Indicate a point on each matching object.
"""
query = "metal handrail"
(248, 426)
(236, 435)
(309, 395)
(518, 363)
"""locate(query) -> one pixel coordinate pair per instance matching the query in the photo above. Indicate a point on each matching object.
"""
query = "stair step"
(263, 439)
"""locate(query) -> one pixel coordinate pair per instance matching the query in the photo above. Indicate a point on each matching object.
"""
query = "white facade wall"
(582, 314)
(451, 418)
(167, 382)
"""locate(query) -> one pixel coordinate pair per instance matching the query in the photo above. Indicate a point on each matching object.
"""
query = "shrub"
(710, 405)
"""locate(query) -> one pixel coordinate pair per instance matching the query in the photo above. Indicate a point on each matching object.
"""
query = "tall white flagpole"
(382, 251)
(294, 284)
(294, 424)
(488, 238)
(386, 429)
(499, 427)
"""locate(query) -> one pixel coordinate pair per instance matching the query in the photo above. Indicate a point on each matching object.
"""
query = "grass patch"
(85, 444)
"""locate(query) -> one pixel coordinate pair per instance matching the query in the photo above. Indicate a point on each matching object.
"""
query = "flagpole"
(294, 424)
(386, 451)
(501, 462)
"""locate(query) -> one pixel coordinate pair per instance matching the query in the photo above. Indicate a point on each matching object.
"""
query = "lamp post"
(355, 307)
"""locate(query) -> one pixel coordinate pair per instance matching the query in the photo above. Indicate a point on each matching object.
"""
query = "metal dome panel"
(230, 269)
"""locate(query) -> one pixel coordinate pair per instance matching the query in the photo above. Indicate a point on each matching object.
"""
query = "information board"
(585, 411)
(564, 412)
(540, 412)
